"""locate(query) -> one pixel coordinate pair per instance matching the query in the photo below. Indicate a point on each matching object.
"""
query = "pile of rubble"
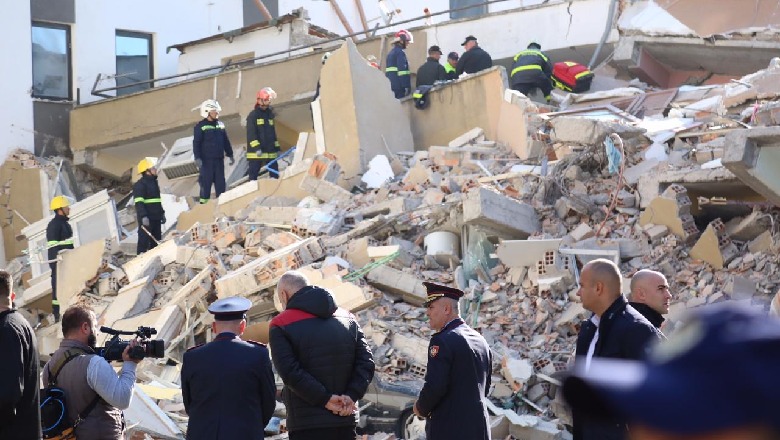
(649, 179)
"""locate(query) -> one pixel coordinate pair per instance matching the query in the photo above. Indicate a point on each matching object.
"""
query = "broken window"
(479, 9)
(51, 61)
(133, 61)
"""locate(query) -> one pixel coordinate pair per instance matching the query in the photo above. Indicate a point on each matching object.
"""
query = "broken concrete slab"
(584, 131)
(673, 210)
(762, 243)
(524, 253)
(749, 227)
(325, 191)
(715, 246)
(470, 137)
(652, 184)
(347, 295)
(502, 215)
(516, 372)
(200, 213)
(77, 269)
(197, 288)
(397, 282)
(753, 156)
(166, 251)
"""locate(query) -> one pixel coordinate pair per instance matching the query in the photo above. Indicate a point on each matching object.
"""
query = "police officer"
(397, 70)
(431, 71)
(458, 376)
(474, 59)
(149, 211)
(210, 146)
(262, 147)
(450, 67)
(59, 237)
(530, 70)
(227, 385)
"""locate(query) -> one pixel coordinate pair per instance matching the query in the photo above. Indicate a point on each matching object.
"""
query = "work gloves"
(199, 163)
(231, 161)
(163, 220)
(145, 222)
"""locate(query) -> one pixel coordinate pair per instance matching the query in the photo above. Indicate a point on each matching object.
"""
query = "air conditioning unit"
(180, 161)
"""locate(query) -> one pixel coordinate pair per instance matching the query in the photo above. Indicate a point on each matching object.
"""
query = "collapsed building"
(485, 190)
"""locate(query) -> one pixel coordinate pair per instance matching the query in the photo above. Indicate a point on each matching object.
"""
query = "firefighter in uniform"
(210, 146)
(59, 237)
(458, 376)
(530, 70)
(149, 211)
(397, 70)
(262, 147)
(228, 385)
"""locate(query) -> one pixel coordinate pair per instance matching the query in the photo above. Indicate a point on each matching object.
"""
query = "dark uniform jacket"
(261, 141)
(530, 65)
(319, 350)
(19, 390)
(473, 61)
(59, 235)
(211, 140)
(457, 381)
(228, 389)
(623, 334)
(146, 194)
(430, 72)
(397, 71)
(648, 312)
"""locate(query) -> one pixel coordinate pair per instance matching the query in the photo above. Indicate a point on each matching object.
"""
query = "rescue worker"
(431, 71)
(149, 211)
(474, 59)
(450, 67)
(530, 70)
(59, 237)
(397, 70)
(210, 146)
(262, 147)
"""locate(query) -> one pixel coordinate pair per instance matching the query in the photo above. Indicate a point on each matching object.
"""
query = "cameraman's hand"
(126, 354)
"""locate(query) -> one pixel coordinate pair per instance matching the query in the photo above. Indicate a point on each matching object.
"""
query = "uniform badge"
(434, 350)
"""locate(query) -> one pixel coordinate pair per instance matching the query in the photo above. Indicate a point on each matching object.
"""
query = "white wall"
(16, 116)
(170, 21)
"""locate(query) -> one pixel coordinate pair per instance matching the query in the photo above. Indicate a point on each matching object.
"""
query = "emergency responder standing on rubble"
(397, 70)
(532, 69)
(59, 237)
(210, 146)
(261, 144)
(149, 212)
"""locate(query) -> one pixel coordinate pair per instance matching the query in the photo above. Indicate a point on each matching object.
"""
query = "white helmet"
(325, 57)
(209, 105)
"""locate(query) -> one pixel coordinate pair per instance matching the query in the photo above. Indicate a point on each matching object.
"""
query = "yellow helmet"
(146, 163)
(59, 202)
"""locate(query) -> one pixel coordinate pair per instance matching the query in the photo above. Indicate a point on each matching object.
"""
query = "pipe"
(607, 30)
(263, 10)
(362, 14)
(342, 18)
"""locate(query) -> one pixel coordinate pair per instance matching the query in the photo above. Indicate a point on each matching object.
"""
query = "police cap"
(230, 309)
(436, 291)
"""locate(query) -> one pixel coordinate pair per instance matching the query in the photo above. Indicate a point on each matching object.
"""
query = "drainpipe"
(263, 10)
(362, 13)
(342, 18)
(604, 37)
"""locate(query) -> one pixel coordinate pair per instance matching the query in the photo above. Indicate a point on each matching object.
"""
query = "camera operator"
(92, 388)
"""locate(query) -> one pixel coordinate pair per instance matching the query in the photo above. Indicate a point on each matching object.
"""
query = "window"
(476, 11)
(51, 61)
(133, 61)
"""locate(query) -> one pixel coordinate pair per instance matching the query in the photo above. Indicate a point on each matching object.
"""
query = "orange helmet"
(266, 93)
(404, 36)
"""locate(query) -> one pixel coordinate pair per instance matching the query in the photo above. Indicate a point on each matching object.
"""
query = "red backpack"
(571, 77)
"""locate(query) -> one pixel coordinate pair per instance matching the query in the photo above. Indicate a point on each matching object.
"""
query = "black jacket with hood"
(318, 350)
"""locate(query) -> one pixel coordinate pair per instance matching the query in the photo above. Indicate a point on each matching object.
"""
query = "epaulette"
(255, 342)
(196, 346)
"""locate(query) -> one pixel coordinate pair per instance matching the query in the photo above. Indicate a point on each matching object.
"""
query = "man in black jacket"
(19, 392)
(431, 71)
(149, 212)
(650, 295)
(532, 69)
(262, 146)
(615, 330)
(474, 59)
(323, 358)
(210, 146)
(59, 237)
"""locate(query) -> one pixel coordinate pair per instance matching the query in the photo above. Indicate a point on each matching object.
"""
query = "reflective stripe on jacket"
(528, 65)
(397, 70)
(261, 140)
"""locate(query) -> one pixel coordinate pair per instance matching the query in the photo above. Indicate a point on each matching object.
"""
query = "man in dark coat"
(532, 69)
(458, 377)
(650, 295)
(59, 237)
(210, 146)
(474, 59)
(262, 145)
(19, 391)
(431, 71)
(149, 211)
(323, 358)
(615, 330)
(228, 385)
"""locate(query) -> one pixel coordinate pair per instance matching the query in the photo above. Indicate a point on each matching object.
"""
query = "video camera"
(147, 347)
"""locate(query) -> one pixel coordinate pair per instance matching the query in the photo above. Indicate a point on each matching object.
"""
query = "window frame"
(149, 37)
(465, 14)
(69, 58)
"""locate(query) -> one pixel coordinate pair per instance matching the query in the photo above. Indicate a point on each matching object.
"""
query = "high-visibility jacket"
(397, 71)
(211, 140)
(450, 71)
(529, 65)
(146, 195)
(59, 236)
(261, 141)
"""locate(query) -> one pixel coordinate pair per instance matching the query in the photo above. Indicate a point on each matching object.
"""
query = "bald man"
(650, 295)
(616, 330)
